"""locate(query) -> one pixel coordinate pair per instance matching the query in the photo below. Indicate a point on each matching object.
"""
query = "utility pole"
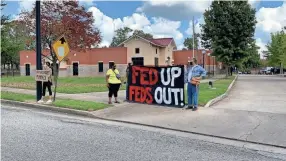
(38, 47)
(193, 36)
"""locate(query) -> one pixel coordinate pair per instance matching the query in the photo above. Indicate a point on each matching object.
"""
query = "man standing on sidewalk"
(195, 74)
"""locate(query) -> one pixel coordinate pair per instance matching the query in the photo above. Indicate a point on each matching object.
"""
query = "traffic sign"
(61, 48)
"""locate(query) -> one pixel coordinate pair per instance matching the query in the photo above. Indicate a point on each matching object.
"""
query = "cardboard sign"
(156, 85)
(42, 75)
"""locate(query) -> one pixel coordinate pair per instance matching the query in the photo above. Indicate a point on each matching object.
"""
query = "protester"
(47, 84)
(113, 83)
(194, 75)
(127, 76)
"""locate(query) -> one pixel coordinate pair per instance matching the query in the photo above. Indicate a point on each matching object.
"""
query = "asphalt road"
(261, 93)
(31, 135)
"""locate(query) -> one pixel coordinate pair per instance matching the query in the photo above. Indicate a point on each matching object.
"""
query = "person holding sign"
(47, 84)
(195, 74)
(113, 83)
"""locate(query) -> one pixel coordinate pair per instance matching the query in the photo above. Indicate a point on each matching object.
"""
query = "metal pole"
(38, 48)
(193, 36)
(213, 65)
(203, 60)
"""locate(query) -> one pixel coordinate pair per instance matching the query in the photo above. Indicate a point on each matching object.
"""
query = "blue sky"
(166, 18)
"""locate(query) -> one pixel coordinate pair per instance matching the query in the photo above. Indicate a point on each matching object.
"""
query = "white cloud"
(271, 19)
(26, 5)
(262, 47)
(254, 3)
(159, 27)
(86, 3)
(174, 10)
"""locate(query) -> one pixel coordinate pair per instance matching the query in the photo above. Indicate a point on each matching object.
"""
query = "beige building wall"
(147, 50)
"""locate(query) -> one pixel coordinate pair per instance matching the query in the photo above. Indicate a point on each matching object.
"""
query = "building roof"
(161, 42)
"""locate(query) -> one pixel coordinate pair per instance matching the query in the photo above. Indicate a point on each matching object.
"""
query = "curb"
(219, 98)
(88, 114)
(47, 107)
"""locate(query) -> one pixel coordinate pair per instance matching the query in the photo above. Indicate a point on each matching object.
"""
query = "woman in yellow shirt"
(113, 83)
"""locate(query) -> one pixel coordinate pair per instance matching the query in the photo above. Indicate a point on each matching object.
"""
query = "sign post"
(38, 47)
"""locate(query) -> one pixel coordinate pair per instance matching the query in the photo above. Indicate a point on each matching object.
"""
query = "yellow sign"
(61, 48)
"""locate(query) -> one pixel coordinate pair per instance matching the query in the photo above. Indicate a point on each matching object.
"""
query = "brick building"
(95, 62)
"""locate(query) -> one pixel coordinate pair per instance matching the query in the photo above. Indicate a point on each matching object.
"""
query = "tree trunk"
(227, 71)
(8, 70)
(55, 76)
(281, 68)
(12, 65)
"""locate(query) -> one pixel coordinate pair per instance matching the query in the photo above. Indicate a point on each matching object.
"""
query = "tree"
(4, 18)
(253, 58)
(189, 42)
(228, 30)
(142, 34)
(122, 34)
(61, 18)
(276, 54)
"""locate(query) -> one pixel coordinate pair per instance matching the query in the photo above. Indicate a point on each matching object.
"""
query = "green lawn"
(68, 85)
(206, 94)
(65, 103)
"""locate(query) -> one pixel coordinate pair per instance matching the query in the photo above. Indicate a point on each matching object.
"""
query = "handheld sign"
(156, 85)
(42, 75)
(61, 48)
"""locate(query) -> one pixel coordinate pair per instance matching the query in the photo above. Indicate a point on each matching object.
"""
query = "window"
(137, 50)
(75, 69)
(138, 61)
(156, 51)
(100, 66)
(156, 62)
(111, 64)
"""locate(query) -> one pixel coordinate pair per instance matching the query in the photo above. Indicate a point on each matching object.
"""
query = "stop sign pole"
(38, 47)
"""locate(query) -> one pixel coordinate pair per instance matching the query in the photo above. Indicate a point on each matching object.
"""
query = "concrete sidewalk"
(261, 127)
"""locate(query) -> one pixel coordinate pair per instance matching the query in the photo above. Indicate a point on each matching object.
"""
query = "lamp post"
(204, 52)
(38, 47)
(213, 64)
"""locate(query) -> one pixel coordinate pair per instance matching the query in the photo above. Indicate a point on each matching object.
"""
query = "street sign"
(42, 75)
(61, 48)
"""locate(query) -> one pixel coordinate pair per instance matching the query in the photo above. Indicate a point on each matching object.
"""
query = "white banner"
(42, 75)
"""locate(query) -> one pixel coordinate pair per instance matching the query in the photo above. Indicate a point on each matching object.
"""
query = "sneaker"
(195, 108)
(49, 101)
(40, 101)
(189, 107)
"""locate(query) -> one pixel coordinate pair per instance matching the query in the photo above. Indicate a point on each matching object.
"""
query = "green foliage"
(253, 58)
(189, 42)
(122, 34)
(12, 42)
(142, 34)
(228, 30)
(276, 54)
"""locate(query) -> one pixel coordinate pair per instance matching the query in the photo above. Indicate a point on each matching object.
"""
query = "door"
(156, 62)
(138, 61)
(27, 67)
(75, 69)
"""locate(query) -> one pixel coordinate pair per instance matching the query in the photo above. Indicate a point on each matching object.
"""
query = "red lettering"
(143, 95)
(131, 92)
(143, 76)
(137, 94)
(149, 100)
(151, 73)
(134, 73)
